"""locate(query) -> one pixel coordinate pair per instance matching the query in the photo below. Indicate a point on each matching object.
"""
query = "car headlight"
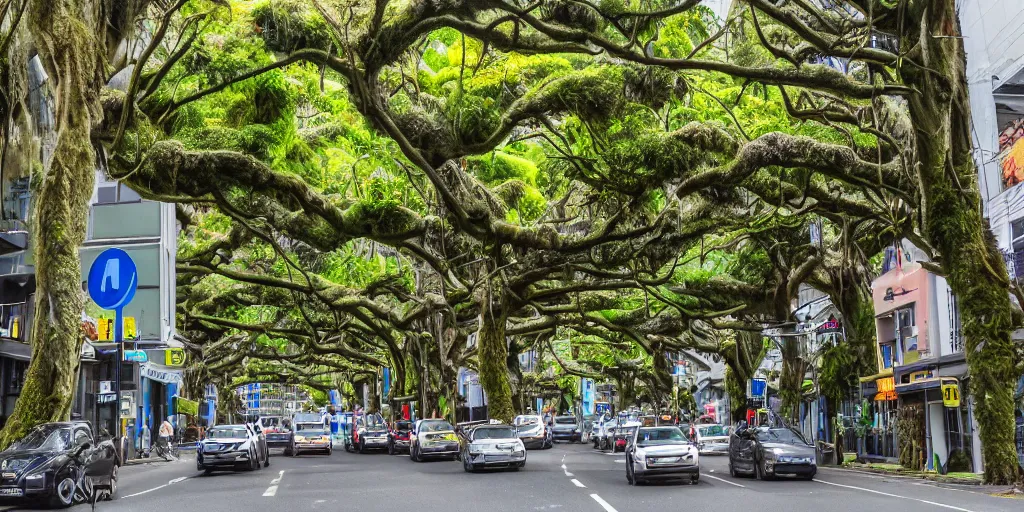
(36, 481)
(475, 449)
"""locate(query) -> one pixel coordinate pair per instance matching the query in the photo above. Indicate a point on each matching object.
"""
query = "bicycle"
(167, 448)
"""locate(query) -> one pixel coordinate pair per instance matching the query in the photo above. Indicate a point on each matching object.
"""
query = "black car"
(770, 452)
(59, 464)
(567, 428)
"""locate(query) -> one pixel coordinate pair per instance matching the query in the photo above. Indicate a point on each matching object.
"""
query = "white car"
(493, 446)
(533, 431)
(232, 447)
(661, 453)
(712, 439)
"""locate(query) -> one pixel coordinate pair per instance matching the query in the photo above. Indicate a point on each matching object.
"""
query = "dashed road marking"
(272, 490)
(943, 505)
(577, 483)
(723, 480)
(277, 480)
(157, 488)
(603, 503)
(567, 473)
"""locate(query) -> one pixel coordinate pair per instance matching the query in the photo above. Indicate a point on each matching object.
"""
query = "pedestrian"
(166, 432)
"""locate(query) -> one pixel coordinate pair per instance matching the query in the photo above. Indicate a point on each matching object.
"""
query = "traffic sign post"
(113, 279)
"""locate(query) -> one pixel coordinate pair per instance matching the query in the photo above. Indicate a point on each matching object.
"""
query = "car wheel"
(761, 471)
(808, 477)
(467, 466)
(732, 469)
(266, 460)
(113, 484)
(695, 479)
(362, 446)
(330, 451)
(414, 454)
(63, 493)
(629, 472)
(595, 444)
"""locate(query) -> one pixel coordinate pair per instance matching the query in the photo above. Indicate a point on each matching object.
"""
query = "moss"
(289, 25)
(572, 14)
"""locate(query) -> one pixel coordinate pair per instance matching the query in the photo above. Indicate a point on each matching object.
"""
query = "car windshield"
(494, 433)
(226, 433)
(374, 422)
(435, 426)
(660, 436)
(712, 431)
(45, 438)
(780, 435)
(527, 420)
(565, 420)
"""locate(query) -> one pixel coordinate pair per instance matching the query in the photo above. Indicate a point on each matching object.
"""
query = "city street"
(567, 478)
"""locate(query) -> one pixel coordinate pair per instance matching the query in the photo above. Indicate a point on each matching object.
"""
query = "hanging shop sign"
(950, 393)
(105, 329)
(831, 325)
(886, 389)
(186, 406)
(152, 372)
(174, 357)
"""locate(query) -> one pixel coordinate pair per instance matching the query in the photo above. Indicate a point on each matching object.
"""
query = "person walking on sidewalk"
(166, 432)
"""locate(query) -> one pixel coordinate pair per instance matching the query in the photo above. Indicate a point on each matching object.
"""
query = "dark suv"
(566, 428)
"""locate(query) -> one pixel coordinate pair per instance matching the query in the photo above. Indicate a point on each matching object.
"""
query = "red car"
(398, 437)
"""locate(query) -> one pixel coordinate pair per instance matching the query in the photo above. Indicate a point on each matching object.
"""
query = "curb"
(941, 479)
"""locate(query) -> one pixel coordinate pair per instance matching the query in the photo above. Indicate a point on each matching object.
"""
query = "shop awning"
(160, 373)
(919, 385)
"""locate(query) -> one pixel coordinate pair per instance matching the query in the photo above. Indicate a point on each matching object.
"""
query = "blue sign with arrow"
(113, 279)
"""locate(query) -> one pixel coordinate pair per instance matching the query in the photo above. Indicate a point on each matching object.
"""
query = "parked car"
(232, 447)
(433, 439)
(712, 440)
(370, 432)
(566, 428)
(624, 436)
(661, 453)
(492, 446)
(533, 431)
(311, 437)
(54, 460)
(399, 436)
(768, 452)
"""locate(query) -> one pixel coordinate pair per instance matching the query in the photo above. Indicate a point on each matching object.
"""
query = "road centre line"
(567, 473)
(277, 480)
(272, 490)
(603, 503)
(723, 480)
(943, 505)
(577, 483)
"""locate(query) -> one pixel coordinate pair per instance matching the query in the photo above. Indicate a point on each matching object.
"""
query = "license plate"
(11, 492)
(665, 460)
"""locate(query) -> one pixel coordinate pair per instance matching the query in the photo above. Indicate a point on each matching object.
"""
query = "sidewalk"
(184, 453)
(970, 482)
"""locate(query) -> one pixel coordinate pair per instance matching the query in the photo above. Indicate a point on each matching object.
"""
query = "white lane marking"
(621, 460)
(272, 490)
(176, 480)
(563, 466)
(277, 480)
(603, 503)
(724, 480)
(144, 492)
(943, 505)
(567, 473)
(577, 483)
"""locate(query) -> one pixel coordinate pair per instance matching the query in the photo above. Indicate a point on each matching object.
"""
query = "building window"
(887, 352)
(114, 192)
(956, 332)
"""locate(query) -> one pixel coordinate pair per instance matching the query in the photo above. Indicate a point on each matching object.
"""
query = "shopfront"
(939, 387)
(879, 396)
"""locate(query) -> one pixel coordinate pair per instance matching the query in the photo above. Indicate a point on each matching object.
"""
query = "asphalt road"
(567, 478)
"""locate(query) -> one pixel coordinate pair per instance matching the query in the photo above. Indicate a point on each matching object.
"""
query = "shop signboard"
(831, 325)
(106, 386)
(950, 393)
(174, 357)
(152, 372)
(757, 387)
(186, 406)
(886, 389)
(135, 356)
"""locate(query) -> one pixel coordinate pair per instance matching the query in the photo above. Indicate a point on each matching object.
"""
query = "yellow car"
(312, 440)
(433, 439)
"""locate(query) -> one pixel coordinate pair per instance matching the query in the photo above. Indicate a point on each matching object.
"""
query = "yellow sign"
(105, 326)
(886, 389)
(130, 333)
(950, 393)
(174, 357)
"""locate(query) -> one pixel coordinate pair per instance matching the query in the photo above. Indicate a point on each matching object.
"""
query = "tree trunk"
(737, 390)
(940, 113)
(792, 380)
(61, 33)
(493, 353)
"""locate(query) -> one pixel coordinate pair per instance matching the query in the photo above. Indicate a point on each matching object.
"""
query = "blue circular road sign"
(113, 279)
